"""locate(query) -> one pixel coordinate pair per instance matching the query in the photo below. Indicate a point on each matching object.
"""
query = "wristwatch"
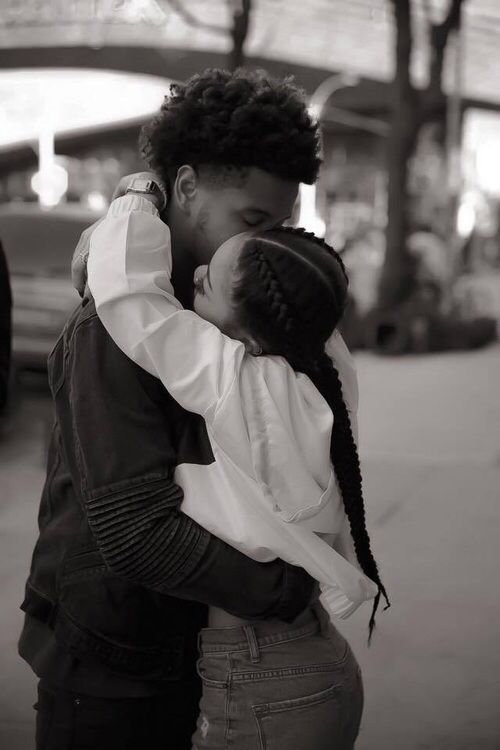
(148, 187)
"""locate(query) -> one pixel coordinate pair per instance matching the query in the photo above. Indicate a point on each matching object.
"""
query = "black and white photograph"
(249, 374)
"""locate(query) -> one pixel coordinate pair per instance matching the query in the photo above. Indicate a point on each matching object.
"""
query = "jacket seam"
(137, 482)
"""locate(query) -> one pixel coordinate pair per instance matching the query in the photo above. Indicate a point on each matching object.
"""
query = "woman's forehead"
(231, 247)
(225, 259)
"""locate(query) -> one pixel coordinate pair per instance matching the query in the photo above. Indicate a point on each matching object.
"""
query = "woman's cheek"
(196, 303)
(201, 307)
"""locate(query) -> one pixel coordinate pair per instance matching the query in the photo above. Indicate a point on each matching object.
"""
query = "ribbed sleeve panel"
(134, 541)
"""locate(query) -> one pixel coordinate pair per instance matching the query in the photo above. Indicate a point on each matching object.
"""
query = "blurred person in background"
(120, 578)
(5, 328)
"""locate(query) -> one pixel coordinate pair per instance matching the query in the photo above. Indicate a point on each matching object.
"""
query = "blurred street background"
(408, 98)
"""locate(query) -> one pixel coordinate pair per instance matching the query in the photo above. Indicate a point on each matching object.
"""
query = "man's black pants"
(72, 721)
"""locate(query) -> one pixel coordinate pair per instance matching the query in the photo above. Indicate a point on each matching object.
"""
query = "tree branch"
(402, 21)
(433, 96)
(178, 7)
(450, 23)
(241, 11)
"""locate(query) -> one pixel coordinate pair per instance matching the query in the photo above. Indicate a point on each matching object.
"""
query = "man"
(5, 328)
(120, 577)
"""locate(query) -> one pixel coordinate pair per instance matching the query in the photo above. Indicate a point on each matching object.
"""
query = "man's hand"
(81, 254)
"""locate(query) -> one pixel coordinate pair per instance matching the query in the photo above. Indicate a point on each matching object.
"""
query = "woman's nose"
(199, 274)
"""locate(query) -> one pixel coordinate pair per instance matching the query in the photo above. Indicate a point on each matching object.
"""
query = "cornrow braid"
(278, 306)
(319, 241)
(268, 297)
(322, 244)
(345, 460)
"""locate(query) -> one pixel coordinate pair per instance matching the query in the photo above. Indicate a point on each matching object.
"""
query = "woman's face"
(213, 286)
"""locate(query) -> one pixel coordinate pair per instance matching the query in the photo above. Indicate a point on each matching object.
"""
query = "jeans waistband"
(262, 633)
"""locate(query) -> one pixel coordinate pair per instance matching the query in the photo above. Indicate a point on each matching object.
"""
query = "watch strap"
(148, 187)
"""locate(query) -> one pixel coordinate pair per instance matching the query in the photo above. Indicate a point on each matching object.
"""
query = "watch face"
(145, 186)
(149, 187)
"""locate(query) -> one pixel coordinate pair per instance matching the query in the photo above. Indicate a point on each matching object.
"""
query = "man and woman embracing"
(202, 522)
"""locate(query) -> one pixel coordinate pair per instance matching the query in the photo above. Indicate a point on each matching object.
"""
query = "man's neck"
(183, 264)
(182, 277)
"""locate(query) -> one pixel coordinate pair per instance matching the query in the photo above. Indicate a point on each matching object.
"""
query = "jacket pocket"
(82, 564)
(86, 641)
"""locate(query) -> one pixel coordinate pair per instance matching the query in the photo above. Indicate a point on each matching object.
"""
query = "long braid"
(305, 355)
(345, 459)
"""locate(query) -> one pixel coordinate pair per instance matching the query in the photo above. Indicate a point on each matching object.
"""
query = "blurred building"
(315, 41)
(311, 40)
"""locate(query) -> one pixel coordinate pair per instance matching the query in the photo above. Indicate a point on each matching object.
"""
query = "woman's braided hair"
(290, 293)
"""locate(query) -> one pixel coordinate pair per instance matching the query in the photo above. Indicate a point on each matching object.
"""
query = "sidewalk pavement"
(430, 446)
(430, 443)
(22, 473)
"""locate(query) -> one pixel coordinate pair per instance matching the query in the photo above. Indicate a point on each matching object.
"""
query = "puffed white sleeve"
(129, 269)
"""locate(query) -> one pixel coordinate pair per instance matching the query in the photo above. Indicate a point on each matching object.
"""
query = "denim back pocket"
(311, 721)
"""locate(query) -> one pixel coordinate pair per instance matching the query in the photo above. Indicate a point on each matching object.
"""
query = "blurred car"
(39, 245)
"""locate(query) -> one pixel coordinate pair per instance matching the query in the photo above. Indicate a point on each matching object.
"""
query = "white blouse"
(271, 491)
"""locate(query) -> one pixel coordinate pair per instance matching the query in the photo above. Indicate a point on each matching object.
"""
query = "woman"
(280, 294)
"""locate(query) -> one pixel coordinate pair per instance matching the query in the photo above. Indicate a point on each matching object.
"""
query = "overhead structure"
(322, 35)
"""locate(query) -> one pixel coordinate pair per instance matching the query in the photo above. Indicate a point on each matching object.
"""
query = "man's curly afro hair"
(234, 120)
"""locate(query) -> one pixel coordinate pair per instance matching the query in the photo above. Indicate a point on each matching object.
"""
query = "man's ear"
(185, 187)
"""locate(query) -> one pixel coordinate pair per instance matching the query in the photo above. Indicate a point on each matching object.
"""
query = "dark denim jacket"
(119, 572)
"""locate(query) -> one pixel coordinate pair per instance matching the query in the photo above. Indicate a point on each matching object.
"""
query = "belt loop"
(253, 643)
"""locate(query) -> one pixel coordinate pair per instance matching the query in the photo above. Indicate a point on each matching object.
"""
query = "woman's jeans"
(297, 689)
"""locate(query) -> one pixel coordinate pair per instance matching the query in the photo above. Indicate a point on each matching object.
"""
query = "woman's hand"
(81, 254)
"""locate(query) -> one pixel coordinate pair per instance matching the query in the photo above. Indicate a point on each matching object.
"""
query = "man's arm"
(124, 458)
